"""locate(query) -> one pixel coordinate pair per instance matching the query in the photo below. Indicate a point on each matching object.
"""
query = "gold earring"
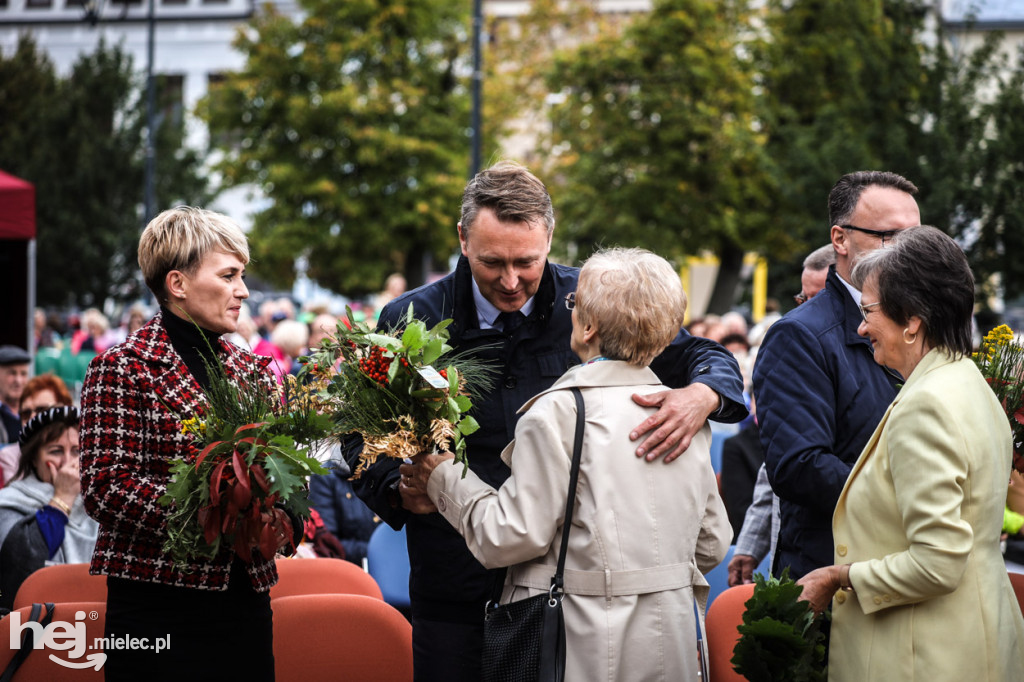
(911, 341)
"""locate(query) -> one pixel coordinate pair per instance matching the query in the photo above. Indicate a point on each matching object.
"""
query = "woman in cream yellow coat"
(641, 534)
(919, 590)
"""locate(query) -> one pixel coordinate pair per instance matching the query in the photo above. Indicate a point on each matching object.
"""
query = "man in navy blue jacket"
(820, 394)
(508, 302)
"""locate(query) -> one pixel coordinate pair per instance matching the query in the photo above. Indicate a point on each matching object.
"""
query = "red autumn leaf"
(241, 495)
(249, 427)
(241, 471)
(1018, 416)
(268, 542)
(260, 476)
(211, 523)
(205, 452)
(215, 480)
(252, 440)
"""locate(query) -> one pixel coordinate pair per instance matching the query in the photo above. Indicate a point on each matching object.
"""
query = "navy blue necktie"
(509, 321)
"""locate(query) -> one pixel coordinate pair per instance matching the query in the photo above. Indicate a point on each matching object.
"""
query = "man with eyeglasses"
(511, 305)
(819, 392)
(14, 364)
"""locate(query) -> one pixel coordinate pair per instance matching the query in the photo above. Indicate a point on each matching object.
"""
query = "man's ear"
(462, 239)
(839, 239)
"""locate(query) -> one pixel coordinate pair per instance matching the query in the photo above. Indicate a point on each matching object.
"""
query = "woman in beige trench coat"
(919, 590)
(641, 534)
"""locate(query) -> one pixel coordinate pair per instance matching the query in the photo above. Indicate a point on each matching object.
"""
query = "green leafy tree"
(656, 143)
(80, 141)
(353, 121)
(969, 153)
(840, 83)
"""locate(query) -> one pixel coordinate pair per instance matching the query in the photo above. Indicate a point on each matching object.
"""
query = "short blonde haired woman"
(218, 611)
(652, 529)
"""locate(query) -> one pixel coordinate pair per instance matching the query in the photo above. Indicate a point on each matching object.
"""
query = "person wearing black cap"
(42, 518)
(14, 363)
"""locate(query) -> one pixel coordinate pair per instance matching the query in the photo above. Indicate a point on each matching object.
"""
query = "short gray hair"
(820, 258)
(512, 192)
(635, 299)
(924, 273)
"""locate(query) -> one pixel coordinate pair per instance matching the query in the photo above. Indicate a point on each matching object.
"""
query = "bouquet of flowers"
(781, 638)
(251, 459)
(387, 389)
(1001, 361)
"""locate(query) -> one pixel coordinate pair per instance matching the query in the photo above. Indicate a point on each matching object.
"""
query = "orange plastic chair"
(61, 583)
(329, 637)
(725, 615)
(1017, 580)
(39, 665)
(322, 576)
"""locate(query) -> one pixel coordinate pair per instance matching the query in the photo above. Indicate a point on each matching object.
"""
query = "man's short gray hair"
(820, 258)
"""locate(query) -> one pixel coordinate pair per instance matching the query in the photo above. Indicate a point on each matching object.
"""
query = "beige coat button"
(878, 600)
(840, 597)
(886, 598)
(841, 550)
(442, 504)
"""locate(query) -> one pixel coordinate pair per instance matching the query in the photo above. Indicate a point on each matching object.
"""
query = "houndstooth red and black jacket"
(133, 400)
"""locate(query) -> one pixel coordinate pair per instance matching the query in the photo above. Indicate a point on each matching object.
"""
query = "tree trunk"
(724, 294)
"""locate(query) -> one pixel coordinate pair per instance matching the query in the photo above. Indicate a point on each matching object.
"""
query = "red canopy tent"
(17, 260)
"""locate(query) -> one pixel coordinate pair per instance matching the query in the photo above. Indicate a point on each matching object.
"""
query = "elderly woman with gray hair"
(919, 590)
(652, 529)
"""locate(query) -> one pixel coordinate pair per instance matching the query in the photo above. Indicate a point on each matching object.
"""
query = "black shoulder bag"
(524, 641)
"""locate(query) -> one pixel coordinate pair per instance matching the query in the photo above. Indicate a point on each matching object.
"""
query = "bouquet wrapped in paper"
(1001, 361)
(403, 390)
(252, 455)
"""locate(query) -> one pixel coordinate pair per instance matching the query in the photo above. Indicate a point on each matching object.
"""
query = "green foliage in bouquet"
(252, 446)
(1001, 361)
(781, 638)
(386, 388)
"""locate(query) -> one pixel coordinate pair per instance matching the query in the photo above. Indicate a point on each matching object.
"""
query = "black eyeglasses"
(33, 411)
(865, 309)
(801, 298)
(888, 234)
(570, 300)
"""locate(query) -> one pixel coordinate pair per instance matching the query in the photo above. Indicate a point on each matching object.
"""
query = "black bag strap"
(570, 500)
(570, 503)
(27, 640)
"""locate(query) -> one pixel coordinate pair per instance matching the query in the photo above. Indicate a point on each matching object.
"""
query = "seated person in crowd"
(40, 394)
(42, 519)
(343, 514)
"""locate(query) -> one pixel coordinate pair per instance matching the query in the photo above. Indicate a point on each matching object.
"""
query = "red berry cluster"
(444, 373)
(375, 365)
